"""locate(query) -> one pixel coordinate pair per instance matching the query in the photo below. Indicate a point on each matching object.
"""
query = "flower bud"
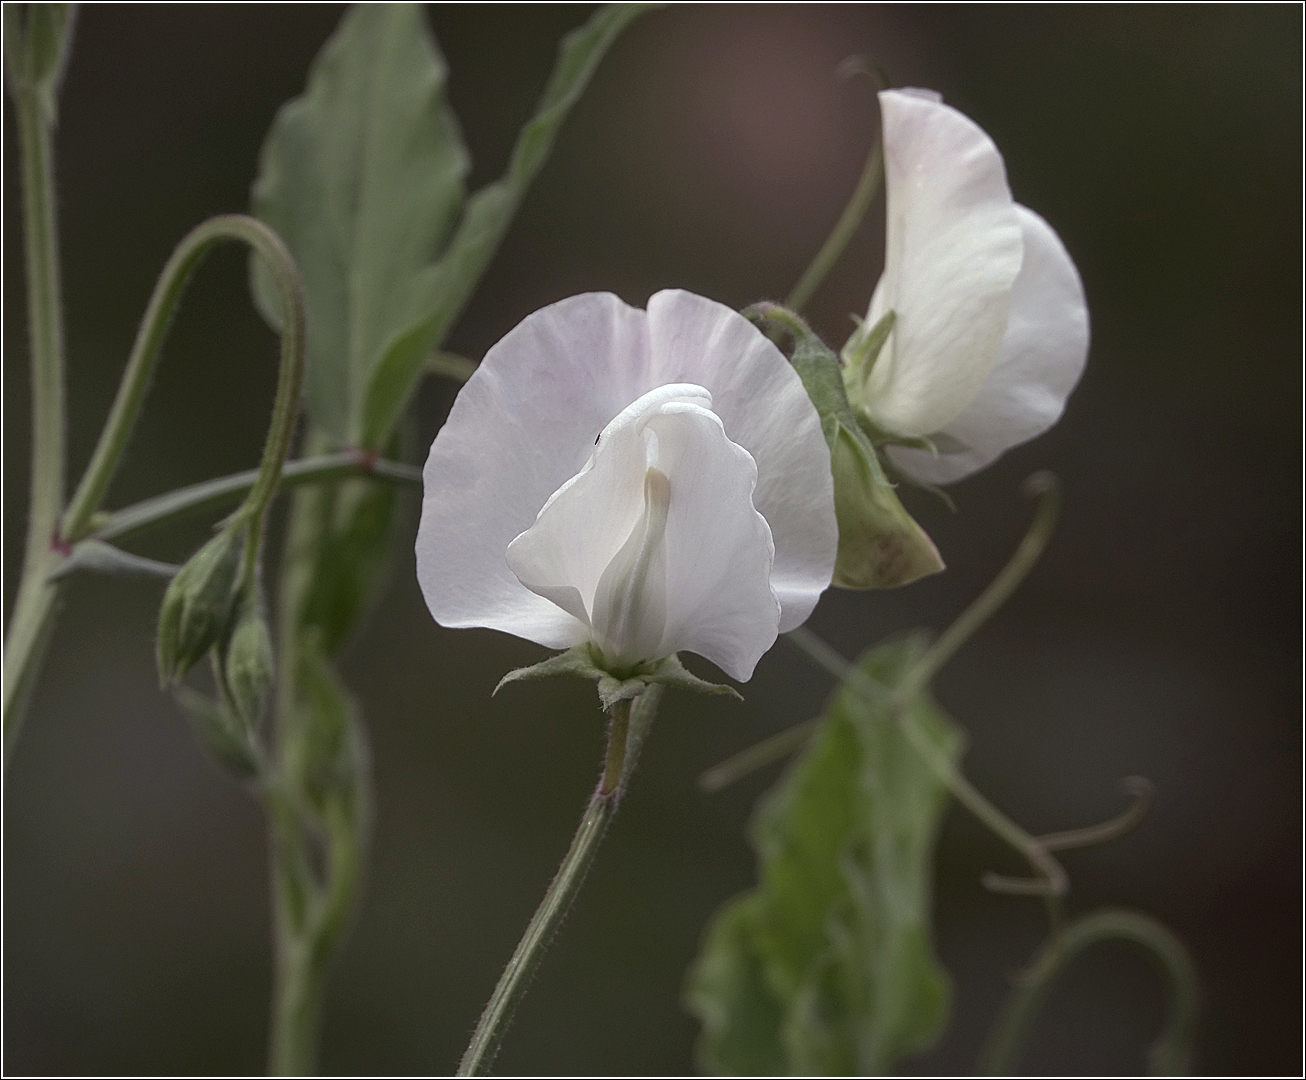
(248, 665)
(198, 605)
(880, 545)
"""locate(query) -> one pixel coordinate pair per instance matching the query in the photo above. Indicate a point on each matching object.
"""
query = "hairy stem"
(77, 521)
(627, 727)
(1170, 1054)
(209, 494)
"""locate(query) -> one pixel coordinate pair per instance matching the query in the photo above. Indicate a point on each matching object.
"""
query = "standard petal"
(719, 599)
(523, 425)
(1040, 361)
(765, 410)
(953, 250)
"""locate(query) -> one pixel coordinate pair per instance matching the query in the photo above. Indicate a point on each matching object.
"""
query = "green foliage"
(447, 285)
(827, 967)
(351, 549)
(363, 177)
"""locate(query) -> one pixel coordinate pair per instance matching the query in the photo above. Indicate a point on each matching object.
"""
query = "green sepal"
(227, 741)
(584, 661)
(863, 347)
(199, 604)
(880, 545)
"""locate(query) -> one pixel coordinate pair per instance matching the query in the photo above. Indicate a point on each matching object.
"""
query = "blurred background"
(1160, 635)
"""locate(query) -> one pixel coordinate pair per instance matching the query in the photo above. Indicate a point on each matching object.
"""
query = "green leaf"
(830, 959)
(363, 177)
(728, 993)
(351, 550)
(326, 751)
(446, 286)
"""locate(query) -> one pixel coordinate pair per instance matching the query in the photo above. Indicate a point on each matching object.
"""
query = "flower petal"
(1040, 361)
(719, 550)
(764, 409)
(523, 425)
(953, 250)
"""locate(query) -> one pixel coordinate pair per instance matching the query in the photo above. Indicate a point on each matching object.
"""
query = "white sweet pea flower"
(643, 481)
(991, 326)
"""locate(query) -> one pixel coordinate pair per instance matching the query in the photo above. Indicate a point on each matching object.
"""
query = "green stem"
(868, 186)
(77, 521)
(895, 702)
(32, 620)
(759, 755)
(309, 925)
(1170, 1054)
(627, 719)
(1052, 880)
(1046, 487)
(227, 489)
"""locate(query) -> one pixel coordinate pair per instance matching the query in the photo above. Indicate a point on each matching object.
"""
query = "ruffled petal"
(953, 250)
(523, 425)
(657, 539)
(1041, 359)
(719, 551)
(765, 410)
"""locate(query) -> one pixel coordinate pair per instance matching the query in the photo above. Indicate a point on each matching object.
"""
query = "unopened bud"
(248, 665)
(198, 605)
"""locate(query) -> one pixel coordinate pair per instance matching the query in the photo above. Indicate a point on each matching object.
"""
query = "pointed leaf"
(362, 176)
(446, 286)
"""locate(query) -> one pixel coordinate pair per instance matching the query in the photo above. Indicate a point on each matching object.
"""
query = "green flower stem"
(1052, 880)
(227, 489)
(628, 727)
(310, 923)
(77, 521)
(1170, 1054)
(32, 621)
(868, 186)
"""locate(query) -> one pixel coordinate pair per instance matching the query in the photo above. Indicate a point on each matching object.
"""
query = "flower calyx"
(880, 545)
(614, 684)
(199, 605)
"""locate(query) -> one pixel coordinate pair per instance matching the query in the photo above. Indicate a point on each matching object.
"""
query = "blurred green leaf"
(446, 286)
(326, 751)
(351, 551)
(362, 176)
(828, 967)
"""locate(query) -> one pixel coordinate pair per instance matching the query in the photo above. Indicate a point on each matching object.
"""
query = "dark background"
(1160, 634)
